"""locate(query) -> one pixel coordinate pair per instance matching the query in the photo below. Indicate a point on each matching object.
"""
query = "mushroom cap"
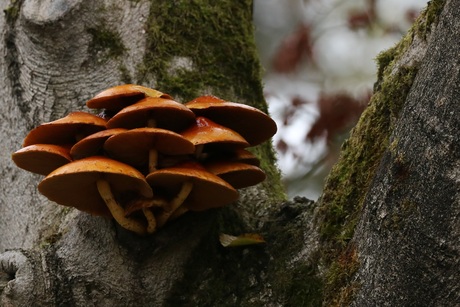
(207, 132)
(167, 113)
(237, 155)
(92, 145)
(133, 146)
(65, 130)
(209, 191)
(74, 184)
(239, 175)
(118, 97)
(41, 158)
(254, 125)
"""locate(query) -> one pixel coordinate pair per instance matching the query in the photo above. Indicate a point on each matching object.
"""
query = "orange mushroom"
(118, 97)
(239, 175)
(207, 136)
(93, 184)
(141, 146)
(254, 125)
(66, 130)
(93, 144)
(153, 112)
(190, 182)
(41, 158)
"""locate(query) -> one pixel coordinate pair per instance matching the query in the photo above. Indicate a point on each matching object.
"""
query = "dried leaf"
(293, 50)
(241, 240)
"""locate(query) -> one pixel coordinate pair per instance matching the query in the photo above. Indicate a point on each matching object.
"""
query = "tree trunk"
(385, 231)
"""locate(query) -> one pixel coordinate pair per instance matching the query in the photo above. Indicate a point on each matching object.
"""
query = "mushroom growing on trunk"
(93, 184)
(189, 182)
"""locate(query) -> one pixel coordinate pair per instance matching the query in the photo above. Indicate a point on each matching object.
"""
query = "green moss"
(348, 182)
(430, 15)
(216, 41)
(218, 276)
(196, 48)
(105, 43)
(12, 11)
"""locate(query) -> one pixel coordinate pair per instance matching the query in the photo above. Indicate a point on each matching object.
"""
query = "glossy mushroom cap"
(74, 184)
(167, 114)
(254, 125)
(238, 175)
(209, 191)
(65, 130)
(206, 132)
(118, 97)
(93, 144)
(41, 158)
(132, 146)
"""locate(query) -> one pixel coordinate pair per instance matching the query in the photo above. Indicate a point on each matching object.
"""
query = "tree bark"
(385, 231)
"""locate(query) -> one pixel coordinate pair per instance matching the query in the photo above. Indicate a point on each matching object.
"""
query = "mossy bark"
(60, 53)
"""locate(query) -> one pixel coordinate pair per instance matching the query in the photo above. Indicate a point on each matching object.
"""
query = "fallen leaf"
(241, 240)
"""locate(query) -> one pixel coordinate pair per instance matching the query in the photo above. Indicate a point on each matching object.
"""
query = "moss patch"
(105, 43)
(198, 47)
(348, 182)
(256, 275)
(217, 42)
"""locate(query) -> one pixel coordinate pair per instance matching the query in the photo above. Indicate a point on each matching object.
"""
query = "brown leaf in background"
(336, 114)
(293, 50)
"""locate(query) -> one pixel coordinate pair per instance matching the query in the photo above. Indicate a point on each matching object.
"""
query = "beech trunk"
(384, 233)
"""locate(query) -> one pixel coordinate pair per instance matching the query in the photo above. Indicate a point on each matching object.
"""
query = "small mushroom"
(153, 112)
(66, 130)
(207, 136)
(190, 182)
(118, 97)
(41, 158)
(254, 125)
(239, 175)
(93, 184)
(93, 144)
(141, 146)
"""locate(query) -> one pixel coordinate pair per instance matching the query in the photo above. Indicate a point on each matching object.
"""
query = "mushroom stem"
(117, 211)
(153, 159)
(175, 203)
(151, 123)
(151, 221)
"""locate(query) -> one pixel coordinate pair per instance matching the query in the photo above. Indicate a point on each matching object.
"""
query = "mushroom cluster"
(147, 159)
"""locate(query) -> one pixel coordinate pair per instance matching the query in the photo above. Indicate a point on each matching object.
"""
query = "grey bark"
(52, 256)
(409, 234)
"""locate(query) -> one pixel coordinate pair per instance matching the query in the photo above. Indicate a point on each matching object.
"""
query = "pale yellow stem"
(175, 203)
(151, 221)
(153, 159)
(117, 211)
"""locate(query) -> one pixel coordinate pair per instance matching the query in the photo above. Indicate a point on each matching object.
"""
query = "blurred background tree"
(318, 58)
